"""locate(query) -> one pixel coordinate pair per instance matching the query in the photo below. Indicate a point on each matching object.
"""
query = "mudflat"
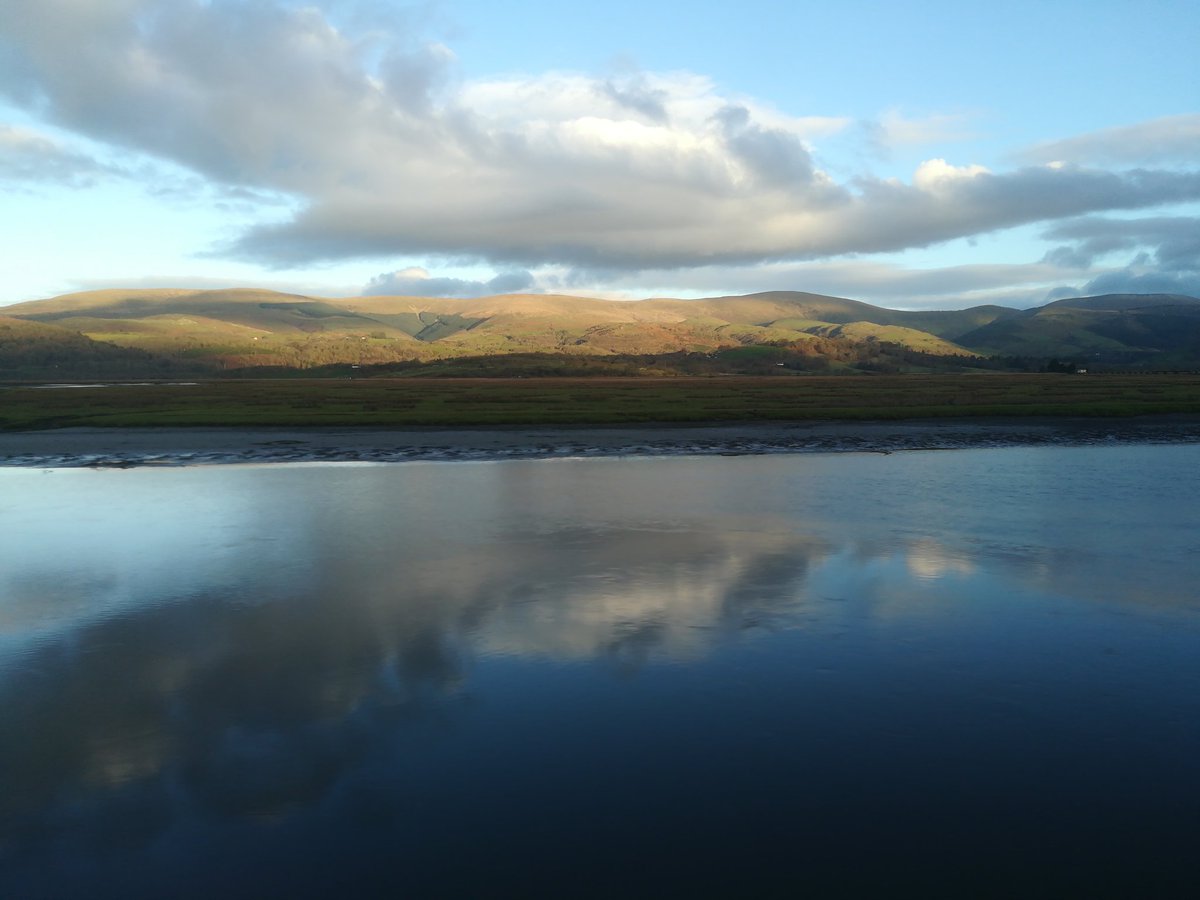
(204, 445)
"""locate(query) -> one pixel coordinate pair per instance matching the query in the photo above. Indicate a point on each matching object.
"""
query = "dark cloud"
(1132, 281)
(416, 282)
(774, 155)
(639, 97)
(413, 79)
(1069, 257)
(1164, 252)
(1174, 241)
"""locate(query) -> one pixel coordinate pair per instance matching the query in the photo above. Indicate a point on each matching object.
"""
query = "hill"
(244, 328)
(1136, 330)
(781, 306)
(38, 350)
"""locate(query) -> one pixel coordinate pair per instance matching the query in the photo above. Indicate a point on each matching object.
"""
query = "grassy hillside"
(953, 324)
(896, 334)
(239, 329)
(243, 328)
(38, 350)
(1146, 330)
(1148, 304)
(796, 306)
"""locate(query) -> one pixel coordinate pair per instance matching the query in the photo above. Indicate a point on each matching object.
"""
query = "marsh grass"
(592, 401)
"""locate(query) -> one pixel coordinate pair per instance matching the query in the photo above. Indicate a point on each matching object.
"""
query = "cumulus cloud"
(416, 281)
(934, 174)
(1164, 140)
(385, 152)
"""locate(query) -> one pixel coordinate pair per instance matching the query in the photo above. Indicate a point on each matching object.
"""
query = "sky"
(913, 155)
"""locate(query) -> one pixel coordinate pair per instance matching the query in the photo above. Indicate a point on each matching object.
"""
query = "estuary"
(932, 673)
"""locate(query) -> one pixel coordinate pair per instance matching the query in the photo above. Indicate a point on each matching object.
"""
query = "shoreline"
(127, 447)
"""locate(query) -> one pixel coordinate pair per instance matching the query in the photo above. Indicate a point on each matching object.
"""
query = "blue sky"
(912, 155)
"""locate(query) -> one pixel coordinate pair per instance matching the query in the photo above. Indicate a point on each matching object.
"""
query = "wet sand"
(196, 446)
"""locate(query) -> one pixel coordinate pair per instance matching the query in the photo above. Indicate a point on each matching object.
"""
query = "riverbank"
(201, 446)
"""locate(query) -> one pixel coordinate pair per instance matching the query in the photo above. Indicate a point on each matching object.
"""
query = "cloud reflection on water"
(254, 708)
(293, 630)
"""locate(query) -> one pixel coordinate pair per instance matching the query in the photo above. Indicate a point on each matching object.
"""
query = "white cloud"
(387, 154)
(934, 174)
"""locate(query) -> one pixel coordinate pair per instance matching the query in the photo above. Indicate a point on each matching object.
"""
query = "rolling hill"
(246, 328)
(1155, 330)
(38, 349)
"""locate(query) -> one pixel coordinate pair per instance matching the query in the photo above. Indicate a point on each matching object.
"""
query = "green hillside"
(795, 306)
(1138, 330)
(1146, 304)
(37, 350)
(241, 328)
(896, 334)
(952, 324)
(244, 328)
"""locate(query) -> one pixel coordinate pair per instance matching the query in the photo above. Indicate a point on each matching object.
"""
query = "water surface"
(934, 673)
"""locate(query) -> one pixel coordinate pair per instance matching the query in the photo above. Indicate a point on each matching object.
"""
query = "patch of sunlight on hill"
(896, 334)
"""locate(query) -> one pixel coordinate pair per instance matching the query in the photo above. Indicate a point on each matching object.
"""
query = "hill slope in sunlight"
(235, 329)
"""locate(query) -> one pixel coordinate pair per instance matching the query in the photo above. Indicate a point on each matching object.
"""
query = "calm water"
(930, 674)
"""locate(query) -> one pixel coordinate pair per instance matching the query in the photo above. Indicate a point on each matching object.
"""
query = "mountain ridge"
(247, 327)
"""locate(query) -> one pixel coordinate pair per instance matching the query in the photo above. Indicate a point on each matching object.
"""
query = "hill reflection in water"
(675, 674)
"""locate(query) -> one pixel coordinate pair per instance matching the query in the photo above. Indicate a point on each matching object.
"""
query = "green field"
(592, 401)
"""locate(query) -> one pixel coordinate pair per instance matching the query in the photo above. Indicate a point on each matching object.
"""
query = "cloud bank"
(1165, 253)
(386, 152)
